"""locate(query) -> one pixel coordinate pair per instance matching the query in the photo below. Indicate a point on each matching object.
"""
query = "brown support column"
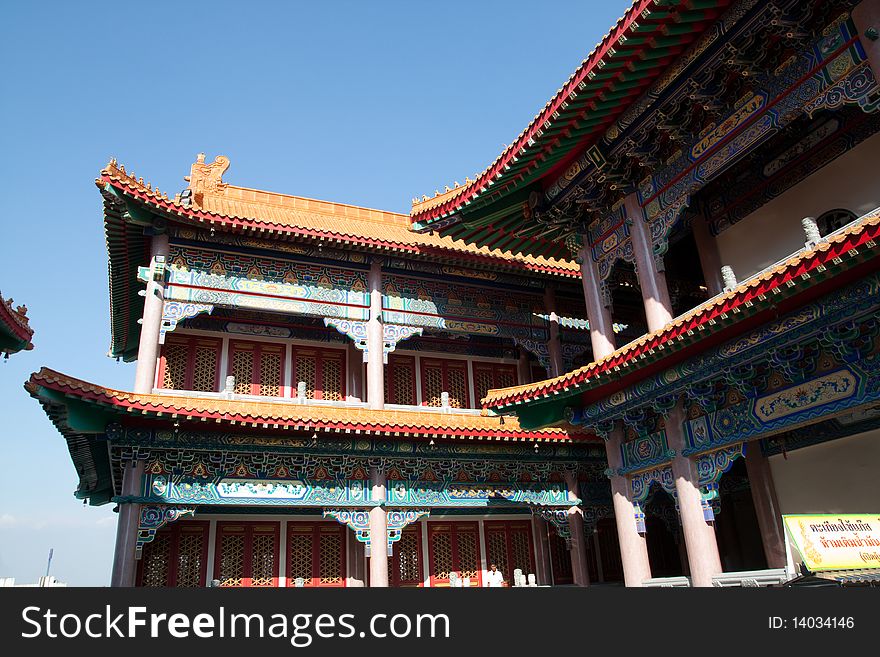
(378, 532)
(579, 569)
(598, 311)
(710, 258)
(652, 281)
(523, 368)
(866, 16)
(699, 535)
(633, 547)
(355, 366)
(766, 505)
(151, 322)
(375, 338)
(542, 550)
(554, 346)
(357, 575)
(124, 564)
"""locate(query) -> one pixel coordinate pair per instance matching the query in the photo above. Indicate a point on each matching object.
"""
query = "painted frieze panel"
(461, 309)
(469, 494)
(239, 281)
(789, 407)
(255, 492)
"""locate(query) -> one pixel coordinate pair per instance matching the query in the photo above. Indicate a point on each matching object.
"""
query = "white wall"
(839, 476)
(774, 231)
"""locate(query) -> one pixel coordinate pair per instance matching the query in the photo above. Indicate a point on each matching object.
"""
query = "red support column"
(375, 339)
(542, 551)
(598, 311)
(378, 532)
(554, 346)
(579, 569)
(699, 535)
(151, 323)
(633, 547)
(652, 281)
(766, 505)
(710, 258)
(124, 565)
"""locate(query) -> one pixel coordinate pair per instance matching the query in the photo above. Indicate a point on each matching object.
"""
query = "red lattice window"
(316, 553)
(400, 380)
(323, 371)
(454, 546)
(258, 368)
(491, 376)
(509, 546)
(177, 556)
(247, 554)
(405, 566)
(439, 376)
(190, 363)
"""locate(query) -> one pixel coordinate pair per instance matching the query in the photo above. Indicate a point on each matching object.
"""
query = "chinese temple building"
(618, 354)
(16, 333)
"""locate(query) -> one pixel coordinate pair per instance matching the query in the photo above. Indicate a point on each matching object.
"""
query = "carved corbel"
(153, 517)
(174, 312)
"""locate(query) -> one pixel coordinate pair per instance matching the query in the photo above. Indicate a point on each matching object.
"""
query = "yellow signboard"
(836, 541)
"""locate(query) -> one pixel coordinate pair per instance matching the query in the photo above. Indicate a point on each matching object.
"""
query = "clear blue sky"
(369, 103)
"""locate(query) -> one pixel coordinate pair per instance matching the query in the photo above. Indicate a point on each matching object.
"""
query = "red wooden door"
(177, 556)
(247, 554)
(509, 546)
(560, 559)
(400, 380)
(258, 368)
(316, 552)
(439, 376)
(454, 547)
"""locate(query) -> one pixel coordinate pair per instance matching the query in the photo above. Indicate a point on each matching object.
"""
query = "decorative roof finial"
(206, 178)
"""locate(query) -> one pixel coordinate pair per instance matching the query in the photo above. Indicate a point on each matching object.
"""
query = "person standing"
(494, 578)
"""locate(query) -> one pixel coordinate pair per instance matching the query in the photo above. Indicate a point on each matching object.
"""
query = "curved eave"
(52, 388)
(630, 58)
(15, 334)
(802, 274)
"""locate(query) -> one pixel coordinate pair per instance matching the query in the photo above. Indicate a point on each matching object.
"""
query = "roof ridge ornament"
(206, 178)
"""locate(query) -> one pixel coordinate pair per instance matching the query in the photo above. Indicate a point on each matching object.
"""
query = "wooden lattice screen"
(316, 553)
(323, 371)
(258, 368)
(190, 364)
(439, 376)
(454, 547)
(177, 556)
(247, 554)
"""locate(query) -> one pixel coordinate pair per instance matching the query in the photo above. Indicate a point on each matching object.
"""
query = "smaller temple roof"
(15, 330)
(804, 270)
(285, 415)
(220, 204)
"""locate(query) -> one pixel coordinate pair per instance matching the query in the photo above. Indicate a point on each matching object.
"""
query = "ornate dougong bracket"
(537, 348)
(398, 519)
(357, 331)
(153, 518)
(559, 519)
(174, 312)
(357, 521)
(593, 513)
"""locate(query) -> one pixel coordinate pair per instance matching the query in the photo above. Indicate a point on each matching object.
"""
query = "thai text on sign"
(836, 541)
